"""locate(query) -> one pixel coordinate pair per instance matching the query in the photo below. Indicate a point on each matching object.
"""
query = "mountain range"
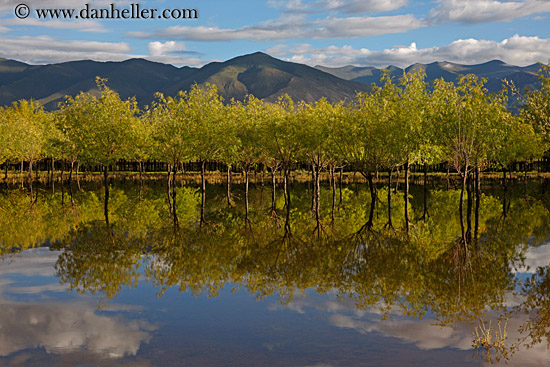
(259, 74)
(495, 71)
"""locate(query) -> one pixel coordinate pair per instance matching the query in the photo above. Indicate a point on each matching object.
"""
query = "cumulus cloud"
(47, 50)
(60, 327)
(536, 257)
(35, 262)
(69, 327)
(162, 49)
(292, 27)
(481, 11)
(424, 334)
(345, 6)
(516, 50)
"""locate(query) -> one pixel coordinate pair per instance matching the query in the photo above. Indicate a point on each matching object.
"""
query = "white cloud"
(46, 49)
(480, 11)
(162, 49)
(60, 327)
(536, 257)
(9, 5)
(427, 335)
(34, 262)
(7, 8)
(68, 327)
(81, 25)
(516, 50)
(345, 6)
(293, 27)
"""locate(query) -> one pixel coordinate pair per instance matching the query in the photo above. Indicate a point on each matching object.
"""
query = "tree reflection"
(427, 270)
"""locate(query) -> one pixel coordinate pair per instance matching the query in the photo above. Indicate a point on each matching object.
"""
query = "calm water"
(154, 289)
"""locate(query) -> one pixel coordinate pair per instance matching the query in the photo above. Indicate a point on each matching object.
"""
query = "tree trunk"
(461, 206)
(469, 209)
(174, 202)
(317, 194)
(53, 170)
(246, 169)
(425, 214)
(390, 173)
(505, 185)
(71, 173)
(407, 223)
(106, 185)
(314, 183)
(333, 179)
(77, 176)
(373, 199)
(31, 182)
(169, 188)
(62, 171)
(287, 186)
(229, 185)
(340, 183)
(478, 201)
(140, 179)
(273, 196)
(525, 179)
(203, 194)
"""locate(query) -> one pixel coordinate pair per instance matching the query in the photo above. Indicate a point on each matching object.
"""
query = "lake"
(280, 286)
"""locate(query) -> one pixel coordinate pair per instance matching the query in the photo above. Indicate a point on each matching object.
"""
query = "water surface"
(153, 288)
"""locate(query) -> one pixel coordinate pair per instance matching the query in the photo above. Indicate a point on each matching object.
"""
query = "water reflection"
(31, 318)
(426, 287)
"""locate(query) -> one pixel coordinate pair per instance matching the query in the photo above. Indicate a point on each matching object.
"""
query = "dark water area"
(281, 286)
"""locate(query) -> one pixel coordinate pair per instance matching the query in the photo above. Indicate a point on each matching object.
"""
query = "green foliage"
(396, 123)
(100, 129)
(26, 126)
(535, 108)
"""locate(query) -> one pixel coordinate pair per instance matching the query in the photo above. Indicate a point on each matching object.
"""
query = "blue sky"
(314, 32)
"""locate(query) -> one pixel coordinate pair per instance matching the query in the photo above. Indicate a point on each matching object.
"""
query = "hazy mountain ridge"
(259, 74)
(495, 71)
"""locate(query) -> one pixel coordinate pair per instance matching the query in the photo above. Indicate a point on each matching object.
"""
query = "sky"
(314, 32)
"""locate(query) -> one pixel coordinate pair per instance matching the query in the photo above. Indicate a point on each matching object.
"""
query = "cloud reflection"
(60, 327)
(63, 328)
(425, 334)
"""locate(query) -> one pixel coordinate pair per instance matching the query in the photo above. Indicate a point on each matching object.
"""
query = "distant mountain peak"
(257, 73)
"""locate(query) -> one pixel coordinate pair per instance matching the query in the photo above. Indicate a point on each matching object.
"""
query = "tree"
(412, 115)
(204, 112)
(361, 144)
(27, 123)
(535, 106)
(471, 128)
(247, 122)
(104, 128)
(5, 142)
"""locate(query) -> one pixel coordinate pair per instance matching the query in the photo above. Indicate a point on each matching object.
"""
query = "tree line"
(396, 125)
